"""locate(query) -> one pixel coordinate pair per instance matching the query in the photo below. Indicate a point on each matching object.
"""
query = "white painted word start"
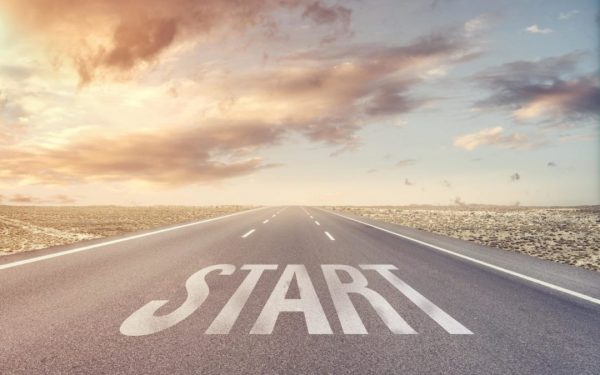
(144, 322)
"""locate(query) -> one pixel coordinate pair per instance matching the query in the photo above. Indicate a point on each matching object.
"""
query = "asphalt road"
(294, 290)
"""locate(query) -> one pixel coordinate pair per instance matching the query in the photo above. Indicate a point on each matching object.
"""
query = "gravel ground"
(568, 235)
(24, 228)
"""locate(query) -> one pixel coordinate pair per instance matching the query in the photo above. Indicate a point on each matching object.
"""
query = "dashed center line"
(266, 221)
(316, 222)
(330, 236)
(248, 233)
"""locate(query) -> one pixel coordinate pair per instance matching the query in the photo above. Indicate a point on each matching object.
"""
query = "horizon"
(315, 103)
(414, 205)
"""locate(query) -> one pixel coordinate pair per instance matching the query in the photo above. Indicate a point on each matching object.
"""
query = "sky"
(276, 102)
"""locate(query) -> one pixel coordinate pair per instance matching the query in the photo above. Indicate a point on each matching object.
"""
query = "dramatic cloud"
(493, 137)
(108, 36)
(515, 177)
(542, 90)
(324, 95)
(535, 29)
(329, 94)
(173, 157)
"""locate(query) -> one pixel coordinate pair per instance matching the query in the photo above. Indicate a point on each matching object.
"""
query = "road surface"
(294, 290)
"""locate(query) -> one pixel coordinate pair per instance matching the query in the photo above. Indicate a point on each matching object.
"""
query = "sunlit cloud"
(324, 96)
(535, 29)
(542, 90)
(493, 137)
(100, 37)
(174, 157)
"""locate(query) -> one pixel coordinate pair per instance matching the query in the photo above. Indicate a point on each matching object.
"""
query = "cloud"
(578, 137)
(336, 91)
(447, 184)
(332, 15)
(326, 95)
(535, 29)
(408, 183)
(371, 171)
(30, 199)
(112, 36)
(22, 198)
(63, 199)
(480, 23)
(389, 99)
(171, 157)
(515, 177)
(405, 163)
(493, 137)
(543, 90)
(551, 164)
(567, 15)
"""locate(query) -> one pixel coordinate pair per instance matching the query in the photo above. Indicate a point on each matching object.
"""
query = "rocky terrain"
(566, 235)
(25, 228)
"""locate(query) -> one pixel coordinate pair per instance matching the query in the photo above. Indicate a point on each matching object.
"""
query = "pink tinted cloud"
(171, 157)
(108, 36)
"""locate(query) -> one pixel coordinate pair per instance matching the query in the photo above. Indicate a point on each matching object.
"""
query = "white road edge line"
(94, 246)
(316, 222)
(248, 233)
(330, 236)
(266, 221)
(489, 265)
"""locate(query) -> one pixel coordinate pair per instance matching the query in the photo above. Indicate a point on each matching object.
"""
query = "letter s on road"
(144, 322)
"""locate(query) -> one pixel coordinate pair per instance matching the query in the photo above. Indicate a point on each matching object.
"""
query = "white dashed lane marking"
(248, 233)
(329, 235)
(266, 221)
(316, 222)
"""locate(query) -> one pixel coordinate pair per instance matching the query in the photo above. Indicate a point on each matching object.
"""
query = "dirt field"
(565, 235)
(24, 228)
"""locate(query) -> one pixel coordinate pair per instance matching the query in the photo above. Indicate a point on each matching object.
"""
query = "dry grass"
(565, 235)
(25, 228)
